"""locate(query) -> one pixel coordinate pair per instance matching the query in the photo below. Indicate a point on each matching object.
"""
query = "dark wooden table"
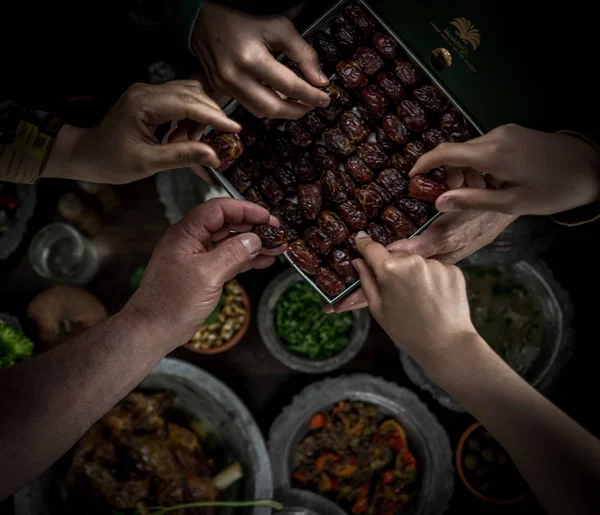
(265, 385)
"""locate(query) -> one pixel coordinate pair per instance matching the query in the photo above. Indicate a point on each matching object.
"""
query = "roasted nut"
(380, 234)
(330, 114)
(333, 226)
(434, 137)
(395, 182)
(298, 134)
(338, 142)
(413, 115)
(415, 209)
(353, 126)
(305, 258)
(394, 129)
(286, 179)
(240, 179)
(351, 74)
(317, 240)
(391, 86)
(384, 140)
(374, 101)
(227, 145)
(337, 186)
(369, 199)
(303, 169)
(326, 47)
(368, 59)
(358, 170)
(356, 15)
(352, 215)
(346, 35)
(425, 188)
(313, 123)
(270, 236)
(338, 94)
(373, 155)
(455, 125)
(413, 151)
(351, 246)
(329, 282)
(310, 199)
(400, 163)
(341, 263)
(399, 224)
(323, 159)
(283, 144)
(270, 190)
(290, 213)
(409, 73)
(432, 98)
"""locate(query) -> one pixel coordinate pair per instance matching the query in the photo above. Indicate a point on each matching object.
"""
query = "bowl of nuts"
(226, 325)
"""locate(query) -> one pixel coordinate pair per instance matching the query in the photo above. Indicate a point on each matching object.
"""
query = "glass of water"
(61, 253)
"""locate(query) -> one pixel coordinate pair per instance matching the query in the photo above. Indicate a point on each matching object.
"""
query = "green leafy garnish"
(215, 314)
(136, 277)
(307, 331)
(160, 510)
(14, 346)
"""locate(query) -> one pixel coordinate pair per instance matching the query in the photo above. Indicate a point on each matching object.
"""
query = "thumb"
(500, 201)
(182, 155)
(235, 255)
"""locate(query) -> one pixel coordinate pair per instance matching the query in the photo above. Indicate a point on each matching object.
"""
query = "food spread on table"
(9, 204)
(14, 346)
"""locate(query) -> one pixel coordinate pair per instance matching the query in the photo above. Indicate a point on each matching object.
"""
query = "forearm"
(50, 401)
(559, 459)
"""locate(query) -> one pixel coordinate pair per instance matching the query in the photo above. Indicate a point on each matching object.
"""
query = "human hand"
(194, 259)
(235, 48)
(529, 172)
(123, 148)
(420, 303)
(449, 239)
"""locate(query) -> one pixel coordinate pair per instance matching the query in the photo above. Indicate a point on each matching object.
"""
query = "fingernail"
(362, 234)
(251, 242)
(355, 264)
(323, 77)
(324, 102)
(446, 204)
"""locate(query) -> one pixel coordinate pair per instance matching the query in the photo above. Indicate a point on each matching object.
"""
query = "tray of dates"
(344, 168)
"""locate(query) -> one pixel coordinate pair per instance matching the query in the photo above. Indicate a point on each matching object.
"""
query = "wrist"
(156, 335)
(590, 172)
(62, 162)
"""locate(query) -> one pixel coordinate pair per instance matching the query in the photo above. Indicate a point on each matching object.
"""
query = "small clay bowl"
(460, 450)
(236, 338)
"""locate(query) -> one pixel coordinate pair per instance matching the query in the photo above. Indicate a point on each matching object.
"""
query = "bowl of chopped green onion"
(294, 328)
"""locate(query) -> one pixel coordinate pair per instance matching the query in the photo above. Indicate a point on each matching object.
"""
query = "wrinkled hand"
(194, 259)
(235, 50)
(421, 303)
(529, 172)
(449, 239)
(123, 148)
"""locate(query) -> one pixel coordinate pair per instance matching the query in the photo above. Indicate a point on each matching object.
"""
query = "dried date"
(270, 236)
(310, 199)
(399, 162)
(351, 246)
(351, 74)
(337, 186)
(408, 73)
(283, 145)
(385, 45)
(399, 224)
(413, 151)
(323, 159)
(415, 209)
(380, 233)
(286, 179)
(317, 240)
(298, 134)
(305, 258)
(455, 125)
(370, 200)
(270, 190)
(227, 145)
(329, 282)
(290, 213)
(326, 47)
(333, 226)
(374, 101)
(394, 182)
(385, 194)
(338, 94)
(373, 155)
(251, 164)
(253, 195)
(356, 15)
(358, 170)
(336, 141)
(341, 263)
(240, 179)
(353, 126)
(432, 98)
(434, 137)
(304, 170)
(269, 158)
(391, 86)
(413, 115)
(426, 188)
(330, 114)
(347, 36)
(290, 232)
(352, 215)
(368, 59)
(313, 123)
(395, 129)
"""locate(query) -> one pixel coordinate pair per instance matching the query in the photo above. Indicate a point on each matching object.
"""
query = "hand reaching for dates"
(235, 48)
(529, 172)
(449, 239)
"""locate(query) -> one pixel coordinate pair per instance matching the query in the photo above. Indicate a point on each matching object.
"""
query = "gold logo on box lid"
(467, 31)
(462, 36)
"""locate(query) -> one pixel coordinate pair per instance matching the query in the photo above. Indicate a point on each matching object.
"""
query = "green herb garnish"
(306, 330)
(215, 314)
(14, 346)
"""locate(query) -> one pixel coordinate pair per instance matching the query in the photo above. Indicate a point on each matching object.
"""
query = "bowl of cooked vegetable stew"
(365, 444)
(294, 328)
(181, 437)
(486, 469)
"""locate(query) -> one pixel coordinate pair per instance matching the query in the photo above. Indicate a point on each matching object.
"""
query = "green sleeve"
(182, 15)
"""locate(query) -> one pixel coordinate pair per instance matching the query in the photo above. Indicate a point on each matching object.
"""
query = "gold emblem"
(467, 31)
